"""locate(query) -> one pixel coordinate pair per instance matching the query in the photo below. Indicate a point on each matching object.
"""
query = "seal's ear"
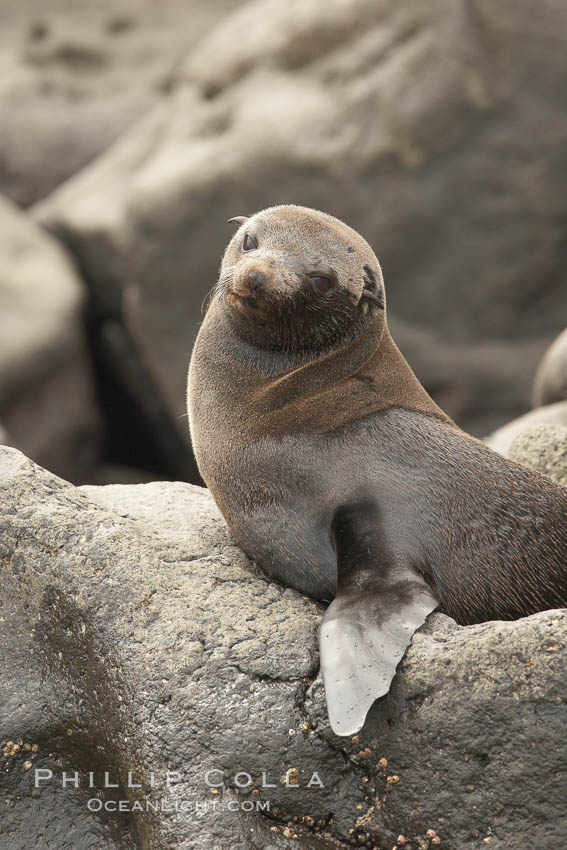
(238, 219)
(367, 295)
(372, 290)
(368, 627)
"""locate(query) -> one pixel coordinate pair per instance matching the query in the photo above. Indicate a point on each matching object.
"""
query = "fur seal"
(336, 471)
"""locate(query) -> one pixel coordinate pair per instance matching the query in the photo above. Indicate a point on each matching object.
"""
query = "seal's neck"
(362, 378)
(394, 382)
(280, 394)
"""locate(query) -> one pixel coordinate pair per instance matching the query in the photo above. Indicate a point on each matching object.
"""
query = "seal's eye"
(321, 283)
(249, 243)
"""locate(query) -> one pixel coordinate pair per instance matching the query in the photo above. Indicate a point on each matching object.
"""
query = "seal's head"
(297, 279)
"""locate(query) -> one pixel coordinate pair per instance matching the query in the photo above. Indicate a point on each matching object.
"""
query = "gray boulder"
(543, 447)
(412, 121)
(135, 638)
(550, 382)
(47, 400)
(552, 414)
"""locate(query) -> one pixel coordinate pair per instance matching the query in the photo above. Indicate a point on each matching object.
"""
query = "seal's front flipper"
(361, 640)
(369, 625)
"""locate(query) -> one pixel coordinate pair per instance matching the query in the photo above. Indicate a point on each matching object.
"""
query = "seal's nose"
(255, 281)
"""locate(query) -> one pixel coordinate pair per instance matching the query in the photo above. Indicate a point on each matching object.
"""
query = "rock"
(411, 121)
(550, 382)
(75, 76)
(543, 447)
(47, 399)
(552, 414)
(135, 637)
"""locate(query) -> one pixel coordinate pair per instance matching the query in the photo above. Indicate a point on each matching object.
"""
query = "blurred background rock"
(130, 132)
